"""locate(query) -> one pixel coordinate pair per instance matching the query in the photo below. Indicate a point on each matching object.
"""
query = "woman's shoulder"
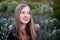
(38, 32)
(12, 26)
(37, 27)
(12, 32)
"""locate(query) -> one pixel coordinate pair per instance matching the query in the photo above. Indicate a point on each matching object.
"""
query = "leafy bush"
(31, 4)
(4, 23)
(3, 6)
(8, 6)
(43, 10)
(12, 6)
(44, 13)
(56, 8)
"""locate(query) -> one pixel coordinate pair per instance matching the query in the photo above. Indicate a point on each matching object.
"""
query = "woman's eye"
(25, 12)
(22, 12)
(29, 13)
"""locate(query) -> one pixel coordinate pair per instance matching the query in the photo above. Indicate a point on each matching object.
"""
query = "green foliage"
(8, 6)
(31, 4)
(12, 6)
(48, 25)
(4, 23)
(56, 23)
(48, 30)
(3, 6)
(42, 10)
(57, 13)
(56, 8)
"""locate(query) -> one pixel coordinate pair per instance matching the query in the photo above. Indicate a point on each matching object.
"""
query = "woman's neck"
(23, 27)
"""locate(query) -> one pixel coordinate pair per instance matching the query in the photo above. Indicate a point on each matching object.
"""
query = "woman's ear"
(37, 27)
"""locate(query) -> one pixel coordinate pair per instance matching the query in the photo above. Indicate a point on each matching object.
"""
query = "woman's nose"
(26, 15)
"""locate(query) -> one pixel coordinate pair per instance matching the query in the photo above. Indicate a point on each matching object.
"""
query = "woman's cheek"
(21, 16)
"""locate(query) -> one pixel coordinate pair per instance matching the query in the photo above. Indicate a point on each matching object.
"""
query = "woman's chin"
(25, 22)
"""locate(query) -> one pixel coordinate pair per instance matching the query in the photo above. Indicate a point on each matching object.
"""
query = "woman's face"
(25, 15)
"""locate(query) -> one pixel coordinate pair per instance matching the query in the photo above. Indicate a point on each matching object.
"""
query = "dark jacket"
(13, 35)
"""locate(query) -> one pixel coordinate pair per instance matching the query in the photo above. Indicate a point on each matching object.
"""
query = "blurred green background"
(46, 13)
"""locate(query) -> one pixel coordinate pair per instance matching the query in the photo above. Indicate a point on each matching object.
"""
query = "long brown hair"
(30, 24)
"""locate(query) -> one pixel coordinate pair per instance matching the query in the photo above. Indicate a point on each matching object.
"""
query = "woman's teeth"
(25, 19)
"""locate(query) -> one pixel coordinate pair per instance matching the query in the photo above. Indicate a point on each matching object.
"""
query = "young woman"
(23, 29)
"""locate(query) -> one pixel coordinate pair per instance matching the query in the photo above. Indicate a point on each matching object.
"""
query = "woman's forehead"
(26, 9)
(21, 6)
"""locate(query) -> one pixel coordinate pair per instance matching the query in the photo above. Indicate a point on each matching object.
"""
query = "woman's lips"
(25, 19)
